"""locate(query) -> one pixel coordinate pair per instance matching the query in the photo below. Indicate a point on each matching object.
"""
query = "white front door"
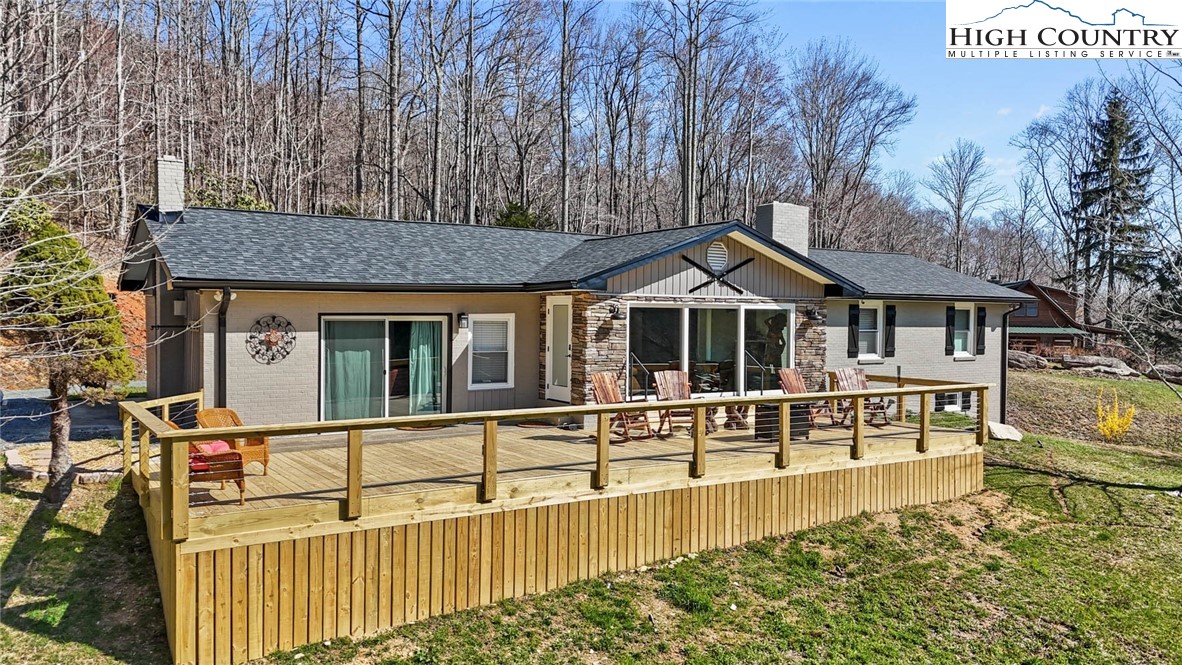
(558, 347)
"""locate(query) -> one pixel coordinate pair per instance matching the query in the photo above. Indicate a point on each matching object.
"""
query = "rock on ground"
(1002, 432)
(1088, 362)
(1023, 360)
(1099, 365)
(1171, 373)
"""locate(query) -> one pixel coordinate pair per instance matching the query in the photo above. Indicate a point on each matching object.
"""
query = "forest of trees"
(574, 115)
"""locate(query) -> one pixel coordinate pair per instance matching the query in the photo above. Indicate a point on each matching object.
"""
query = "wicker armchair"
(253, 449)
(211, 461)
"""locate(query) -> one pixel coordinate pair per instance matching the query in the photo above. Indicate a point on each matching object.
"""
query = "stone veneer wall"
(809, 344)
(600, 343)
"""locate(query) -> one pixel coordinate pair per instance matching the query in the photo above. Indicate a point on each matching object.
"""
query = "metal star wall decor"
(270, 339)
(716, 276)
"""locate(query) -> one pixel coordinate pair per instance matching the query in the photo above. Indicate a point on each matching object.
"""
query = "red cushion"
(197, 461)
(213, 447)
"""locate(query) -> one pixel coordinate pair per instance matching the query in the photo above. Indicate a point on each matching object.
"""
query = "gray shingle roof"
(887, 275)
(602, 253)
(240, 246)
(209, 246)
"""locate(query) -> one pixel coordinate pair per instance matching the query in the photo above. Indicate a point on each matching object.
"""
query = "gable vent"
(716, 256)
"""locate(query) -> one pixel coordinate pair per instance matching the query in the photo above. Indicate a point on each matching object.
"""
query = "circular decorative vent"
(716, 256)
(271, 338)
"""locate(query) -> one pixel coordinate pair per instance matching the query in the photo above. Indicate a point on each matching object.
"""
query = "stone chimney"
(170, 184)
(786, 223)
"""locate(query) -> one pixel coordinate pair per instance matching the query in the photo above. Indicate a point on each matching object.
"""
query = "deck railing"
(174, 472)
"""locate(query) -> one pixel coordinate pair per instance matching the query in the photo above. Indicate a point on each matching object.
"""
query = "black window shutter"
(889, 324)
(855, 314)
(950, 331)
(980, 331)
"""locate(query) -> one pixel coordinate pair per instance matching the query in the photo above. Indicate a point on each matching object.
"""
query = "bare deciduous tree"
(963, 180)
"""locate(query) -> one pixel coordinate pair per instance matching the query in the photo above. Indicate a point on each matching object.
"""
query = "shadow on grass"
(1058, 483)
(92, 588)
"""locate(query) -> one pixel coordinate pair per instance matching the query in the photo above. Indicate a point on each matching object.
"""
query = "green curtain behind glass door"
(353, 355)
(425, 366)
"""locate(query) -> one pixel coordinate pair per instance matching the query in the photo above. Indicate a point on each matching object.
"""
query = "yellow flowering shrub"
(1110, 421)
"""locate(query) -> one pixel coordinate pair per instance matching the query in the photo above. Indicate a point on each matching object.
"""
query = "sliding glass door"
(354, 354)
(383, 367)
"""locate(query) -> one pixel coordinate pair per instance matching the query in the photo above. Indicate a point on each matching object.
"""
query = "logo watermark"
(1072, 29)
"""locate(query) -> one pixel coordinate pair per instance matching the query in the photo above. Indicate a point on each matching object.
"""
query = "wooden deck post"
(127, 437)
(982, 416)
(174, 489)
(353, 472)
(698, 464)
(602, 448)
(488, 480)
(145, 457)
(785, 435)
(165, 412)
(859, 449)
(925, 423)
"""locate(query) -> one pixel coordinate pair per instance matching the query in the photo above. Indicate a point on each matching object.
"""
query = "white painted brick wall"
(919, 346)
(288, 391)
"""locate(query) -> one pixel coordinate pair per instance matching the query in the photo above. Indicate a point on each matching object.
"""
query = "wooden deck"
(359, 526)
(312, 468)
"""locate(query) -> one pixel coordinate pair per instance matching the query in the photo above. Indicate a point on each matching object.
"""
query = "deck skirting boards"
(233, 604)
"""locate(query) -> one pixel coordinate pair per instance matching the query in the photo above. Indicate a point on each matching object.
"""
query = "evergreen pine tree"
(1111, 198)
(53, 296)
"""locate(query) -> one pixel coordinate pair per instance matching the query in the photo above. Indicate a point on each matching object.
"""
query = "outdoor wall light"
(617, 314)
(463, 321)
(813, 314)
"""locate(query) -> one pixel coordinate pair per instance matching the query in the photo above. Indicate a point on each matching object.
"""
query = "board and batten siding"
(235, 604)
(919, 346)
(671, 276)
(289, 390)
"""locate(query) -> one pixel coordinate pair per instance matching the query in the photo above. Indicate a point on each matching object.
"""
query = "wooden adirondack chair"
(792, 383)
(214, 461)
(253, 449)
(606, 388)
(849, 379)
(674, 384)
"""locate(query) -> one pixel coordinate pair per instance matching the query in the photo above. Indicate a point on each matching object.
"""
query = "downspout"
(223, 307)
(1005, 364)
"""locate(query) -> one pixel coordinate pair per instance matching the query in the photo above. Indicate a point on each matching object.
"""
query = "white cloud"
(1004, 167)
(1043, 109)
(1005, 110)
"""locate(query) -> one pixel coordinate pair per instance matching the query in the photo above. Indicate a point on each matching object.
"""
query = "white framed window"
(956, 402)
(490, 351)
(962, 331)
(870, 330)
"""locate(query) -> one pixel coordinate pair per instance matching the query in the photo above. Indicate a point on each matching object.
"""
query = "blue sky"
(986, 101)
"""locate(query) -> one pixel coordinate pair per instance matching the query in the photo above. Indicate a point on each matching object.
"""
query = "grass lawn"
(1073, 554)
(1063, 404)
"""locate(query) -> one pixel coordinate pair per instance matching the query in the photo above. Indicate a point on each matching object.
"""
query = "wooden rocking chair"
(253, 449)
(606, 389)
(214, 461)
(851, 379)
(792, 383)
(673, 385)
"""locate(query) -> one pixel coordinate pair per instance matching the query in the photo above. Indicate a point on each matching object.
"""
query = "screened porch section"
(726, 350)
